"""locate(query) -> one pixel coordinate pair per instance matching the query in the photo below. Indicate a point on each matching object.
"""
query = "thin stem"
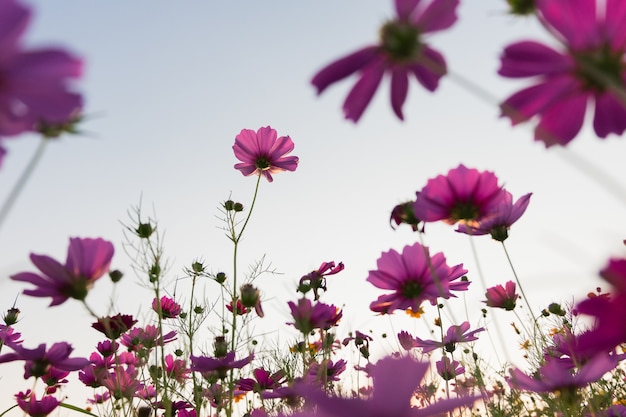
(22, 180)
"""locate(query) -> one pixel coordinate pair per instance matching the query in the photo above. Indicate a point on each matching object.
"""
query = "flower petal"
(430, 69)
(399, 90)
(439, 15)
(529, 58)
(610, 115)
(363, 91)
(574, 20)
(344, 67)
(562, 121)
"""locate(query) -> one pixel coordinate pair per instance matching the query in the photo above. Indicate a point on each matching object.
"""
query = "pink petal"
(265, 138)
(530, 101)
(404, 8)
(399, 90)
(363, 91)
(394, 398)
(48, 66)
(575, 20)
(615, 24)
(610, 115)
(430, 69)
(344, 67)
(529, 58)
(50, 267)
(439, 15)
(14, 19)
(562, 121)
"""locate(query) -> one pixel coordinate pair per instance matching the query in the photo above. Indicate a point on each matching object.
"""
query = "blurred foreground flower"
(38, 361)
(87, 261)
(591, 68)
(35, 84)
(394, 382)
(414, 277)
(263, 152)
(401, 52)
(502, 297)
(34, 407)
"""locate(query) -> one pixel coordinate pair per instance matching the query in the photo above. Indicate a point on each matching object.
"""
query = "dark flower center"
(411, 289)
(600, 68)
(464, 211)
(522, 7)
(262, 163)
(401, 41)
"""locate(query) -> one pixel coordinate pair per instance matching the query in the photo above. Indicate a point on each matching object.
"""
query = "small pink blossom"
(463, 195)
(263, 152)
(589, 69)
(401, 52)
(167, 307)
(176, 369)
(502, 297)
(220, 366)
(449, 369)
(87, 261)
(308, 316)
(454, 335)
(414, 276)
(316, 280)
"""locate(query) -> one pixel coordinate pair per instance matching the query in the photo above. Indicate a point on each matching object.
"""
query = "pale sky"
(168, 85)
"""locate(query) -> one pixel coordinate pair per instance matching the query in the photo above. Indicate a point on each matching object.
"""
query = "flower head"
(308, 316)
(454, 335)
(449, 369)
(463, 195)
(220, 365)
(263, 152)
(316, 280)
(498, 222)
(589, 69)
(114, 326)
(38, 361)
(401, 52)
(34, 407)
(502, 297)
(166, 307)
(414, 277)
(35, 87)
(87, 261)
(387, 399)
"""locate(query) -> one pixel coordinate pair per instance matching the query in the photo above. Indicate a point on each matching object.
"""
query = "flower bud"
(115, 275)
(229, 205)
(11, 317)
(238, 207)
(197, 267)
(144, 230)
(220, 277)
(249, 295)
(220, 347)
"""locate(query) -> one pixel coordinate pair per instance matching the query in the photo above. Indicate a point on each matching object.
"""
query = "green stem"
(22, 180)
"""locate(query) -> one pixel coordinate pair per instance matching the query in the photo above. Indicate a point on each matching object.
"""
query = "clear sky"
(168, 85)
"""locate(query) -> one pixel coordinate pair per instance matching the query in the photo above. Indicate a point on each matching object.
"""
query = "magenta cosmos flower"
(35, 87)
(263, 152)
(401, 52)
(464, 194)
(394, 384)
(308, 316)
(498, 222)
(502, 297)
(34, 407)
(454, 335)
(167, 307)
(414, 277)
(87, 261)
(590, 68)
(316, 280)
(38, 361)
(220, 366)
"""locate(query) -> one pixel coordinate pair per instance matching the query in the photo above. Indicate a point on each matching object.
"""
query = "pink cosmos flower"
(454, 335)
(35, 87)
(387, 399)
(239, 310)
(114, 326)
(316, 280)
(449, 369)
(325, 371)
(169, 309)
(262, 381)
(502, 297)
(464, 194)
(123, 382)
(144, 339)
(176, 369)
(263, 152)
(401, 53)
(410, 278)
(403, 213)
(554, 376)
(498, 222)
(308, 316)
(220, 366)
(38, 361)
(87, 261)
(34, 407)
(589, 69)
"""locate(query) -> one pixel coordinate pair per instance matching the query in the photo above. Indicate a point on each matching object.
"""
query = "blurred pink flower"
(401, 52)
(454, 335)
(414, 277)
(449, 369)
(176, 369)
(387, 399)
(34, 407)
(326, 371)
(35, 86)
(498, 222)
(590, 68)
(123, 382)
(263, 152)
(168, 307)
(262, 381)
(220, 365)
(308, 316)
(87, 261)
(501, 297)
(38, 361)
(316, 280)
(464, 194)
(114, 326)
